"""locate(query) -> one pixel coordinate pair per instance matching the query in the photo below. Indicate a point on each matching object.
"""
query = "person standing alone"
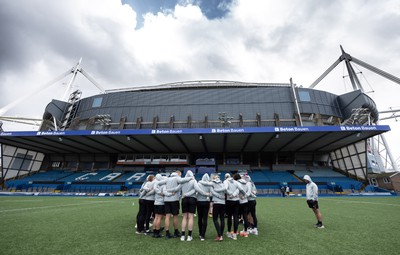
(312, 200)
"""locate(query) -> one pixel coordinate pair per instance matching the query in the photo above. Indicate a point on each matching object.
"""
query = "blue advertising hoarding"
(226, 130)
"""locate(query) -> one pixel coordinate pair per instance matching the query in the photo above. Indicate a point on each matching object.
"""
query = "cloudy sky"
(147, 42)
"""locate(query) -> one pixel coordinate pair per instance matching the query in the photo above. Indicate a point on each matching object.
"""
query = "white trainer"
(182, 238)
(189, 238)
(255, 231)
(234, 236)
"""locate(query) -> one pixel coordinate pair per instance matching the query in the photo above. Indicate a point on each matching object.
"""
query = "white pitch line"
(52, 206)
(361, 202)
(1, 201)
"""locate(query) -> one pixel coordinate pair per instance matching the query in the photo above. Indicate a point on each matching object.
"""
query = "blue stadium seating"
(52, 175)
(332, 178)
(267, 181)
(134, 177)
(86, 176)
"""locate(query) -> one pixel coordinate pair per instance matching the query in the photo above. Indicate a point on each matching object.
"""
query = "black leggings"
(232, 210)
(149, 211)
(252, 211)
(202, 213)
(243, 211)
(141, 215)
(219, 211)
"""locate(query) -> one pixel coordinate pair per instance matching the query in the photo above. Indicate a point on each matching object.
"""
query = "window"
(19, 159)
(373, 182)
(386, 180)
(26, 165)
(304, 96)
(97, 102)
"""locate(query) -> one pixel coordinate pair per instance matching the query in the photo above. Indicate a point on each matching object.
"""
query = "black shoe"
(168, 236)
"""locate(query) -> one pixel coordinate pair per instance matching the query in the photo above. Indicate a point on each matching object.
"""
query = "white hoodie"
(311, 189)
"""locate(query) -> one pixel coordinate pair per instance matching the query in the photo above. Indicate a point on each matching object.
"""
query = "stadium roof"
(200, 84)
(251, 139)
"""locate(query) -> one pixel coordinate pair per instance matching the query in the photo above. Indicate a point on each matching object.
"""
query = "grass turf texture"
(83, 225)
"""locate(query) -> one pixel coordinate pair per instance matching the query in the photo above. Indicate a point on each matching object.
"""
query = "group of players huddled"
(233, 199)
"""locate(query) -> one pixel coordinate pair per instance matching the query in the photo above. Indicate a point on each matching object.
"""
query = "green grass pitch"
(105, 225)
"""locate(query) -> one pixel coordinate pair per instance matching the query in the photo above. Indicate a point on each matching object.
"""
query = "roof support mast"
(355, 82)
(69, 93)
(72, 80)
(353, 77)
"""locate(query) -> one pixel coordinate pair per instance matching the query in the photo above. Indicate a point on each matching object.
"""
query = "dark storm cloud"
(15, 32)
(34, 30)
(31, 32)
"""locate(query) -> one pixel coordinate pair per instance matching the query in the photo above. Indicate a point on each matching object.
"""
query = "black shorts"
(189, 205)
(313, 204)
(159, 209)
(172, 207)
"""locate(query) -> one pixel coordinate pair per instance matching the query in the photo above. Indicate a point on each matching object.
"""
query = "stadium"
(107, 144)
(276, 132)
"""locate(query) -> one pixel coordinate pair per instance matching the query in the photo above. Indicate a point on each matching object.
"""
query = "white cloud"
(261, 41)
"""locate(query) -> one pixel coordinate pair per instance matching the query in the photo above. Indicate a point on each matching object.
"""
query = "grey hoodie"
(190, 188)
(232, 189)
(253, 194)
(218, 191)
(159, 190)
(142, 192)
(205, 185)
(149, 191)
(172, 185)
(245, 191)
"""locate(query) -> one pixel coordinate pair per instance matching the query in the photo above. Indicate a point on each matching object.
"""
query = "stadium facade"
(222, 125)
